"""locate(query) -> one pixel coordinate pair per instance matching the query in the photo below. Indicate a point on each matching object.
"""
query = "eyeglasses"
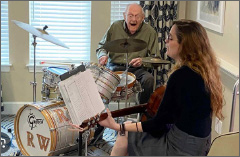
(130, 16)
(169, 37)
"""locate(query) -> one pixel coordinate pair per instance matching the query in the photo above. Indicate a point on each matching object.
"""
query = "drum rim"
(130, 84)
(107, 70)
(16, 130)
(47, 70)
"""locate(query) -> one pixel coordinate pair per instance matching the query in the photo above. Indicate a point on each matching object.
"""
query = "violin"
(148, 109)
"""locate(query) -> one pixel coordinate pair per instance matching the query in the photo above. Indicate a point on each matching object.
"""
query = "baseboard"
(12, 107)
(229, 69)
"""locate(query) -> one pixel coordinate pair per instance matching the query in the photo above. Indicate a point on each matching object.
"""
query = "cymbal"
(125, 45)
(40, 33)
(154, 60)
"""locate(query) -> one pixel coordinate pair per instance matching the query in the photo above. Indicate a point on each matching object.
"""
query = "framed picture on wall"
(211, 14)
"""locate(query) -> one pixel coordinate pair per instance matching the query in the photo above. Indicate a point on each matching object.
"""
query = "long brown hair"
(196, 53)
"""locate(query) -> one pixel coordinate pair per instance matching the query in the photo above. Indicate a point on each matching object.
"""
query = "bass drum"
(41, 129)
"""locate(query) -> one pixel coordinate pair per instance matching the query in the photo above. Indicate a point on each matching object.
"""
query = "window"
(117, 9)
(69, 22)
(4, 36)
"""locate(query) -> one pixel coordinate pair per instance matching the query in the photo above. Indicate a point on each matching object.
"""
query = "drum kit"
(47, 121)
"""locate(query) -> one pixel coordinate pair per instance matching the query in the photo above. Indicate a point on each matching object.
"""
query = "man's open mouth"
(133, 24)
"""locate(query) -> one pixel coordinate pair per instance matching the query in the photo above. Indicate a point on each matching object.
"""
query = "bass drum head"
(32, 132)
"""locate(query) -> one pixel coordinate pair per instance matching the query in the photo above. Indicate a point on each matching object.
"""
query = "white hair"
(134, 4)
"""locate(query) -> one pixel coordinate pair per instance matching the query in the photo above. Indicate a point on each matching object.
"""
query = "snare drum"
(105, 79)
(51, 75)
(51, 78)
(41, 129)
(120, 91)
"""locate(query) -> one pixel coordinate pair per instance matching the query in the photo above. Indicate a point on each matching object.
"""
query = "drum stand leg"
(86, 142)
(80, 144)
(34, 83)
(155, 78)
(126, 93)
(118, 109)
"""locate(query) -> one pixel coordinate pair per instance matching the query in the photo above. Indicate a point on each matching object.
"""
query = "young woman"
(193, 95)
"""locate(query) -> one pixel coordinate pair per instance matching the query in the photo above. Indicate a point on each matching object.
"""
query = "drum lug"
(52, 129)
(41, 109)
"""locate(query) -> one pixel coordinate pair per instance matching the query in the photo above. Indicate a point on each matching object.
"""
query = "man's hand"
(103, 60)
(136, 62)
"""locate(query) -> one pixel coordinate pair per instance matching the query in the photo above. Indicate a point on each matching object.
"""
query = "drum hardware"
(66, 75)
(41, 33)
(155, 63)
(125, 46)
(86, 140)
(52, 129)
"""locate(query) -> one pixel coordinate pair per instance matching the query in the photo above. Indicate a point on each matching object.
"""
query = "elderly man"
(132, 27)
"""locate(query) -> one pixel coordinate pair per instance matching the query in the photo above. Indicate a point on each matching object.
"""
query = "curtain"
(160, 15)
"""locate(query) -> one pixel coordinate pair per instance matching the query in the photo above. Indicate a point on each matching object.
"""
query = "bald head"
(133, 17)
(136, 6)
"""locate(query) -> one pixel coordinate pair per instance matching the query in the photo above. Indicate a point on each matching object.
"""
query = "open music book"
(81, 96)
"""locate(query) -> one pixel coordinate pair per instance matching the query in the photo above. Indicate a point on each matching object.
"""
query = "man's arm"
(100, 51)
(153, 45)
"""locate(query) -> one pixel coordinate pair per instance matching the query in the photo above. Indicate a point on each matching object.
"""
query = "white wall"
(226, 47)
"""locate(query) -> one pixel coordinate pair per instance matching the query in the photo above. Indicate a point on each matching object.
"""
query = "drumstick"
(124, 73)
(44, 62)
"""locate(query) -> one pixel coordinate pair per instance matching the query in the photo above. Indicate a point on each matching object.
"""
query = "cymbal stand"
(34, 83)
(126, 93)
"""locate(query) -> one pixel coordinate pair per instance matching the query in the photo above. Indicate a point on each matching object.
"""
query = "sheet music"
(81, 96)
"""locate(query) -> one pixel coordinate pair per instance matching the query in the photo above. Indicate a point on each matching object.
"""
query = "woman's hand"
(109, 122)
(76, 128)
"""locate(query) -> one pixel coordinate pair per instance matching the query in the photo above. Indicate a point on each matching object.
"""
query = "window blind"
(68, 21)
(4, 33)
(117, 9)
